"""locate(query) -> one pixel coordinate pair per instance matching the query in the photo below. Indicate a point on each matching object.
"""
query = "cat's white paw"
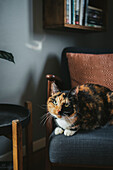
(58, 131)
(68, 132)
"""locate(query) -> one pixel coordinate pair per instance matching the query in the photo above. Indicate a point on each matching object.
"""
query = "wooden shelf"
(74, 27)
(55, 16)
(82, 27)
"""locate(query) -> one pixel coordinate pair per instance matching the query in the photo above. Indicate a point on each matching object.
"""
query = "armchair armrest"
(53, 77)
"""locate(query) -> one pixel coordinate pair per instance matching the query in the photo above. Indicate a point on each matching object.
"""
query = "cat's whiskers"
(43, 115)
(46, 119)
(43, 119)
(44, 107)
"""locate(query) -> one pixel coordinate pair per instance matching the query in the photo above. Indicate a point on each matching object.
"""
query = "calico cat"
(86, 106)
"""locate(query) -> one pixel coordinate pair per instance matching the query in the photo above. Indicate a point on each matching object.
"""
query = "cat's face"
(60, 104)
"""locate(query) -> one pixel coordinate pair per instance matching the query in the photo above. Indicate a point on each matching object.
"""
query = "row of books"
(80, 12)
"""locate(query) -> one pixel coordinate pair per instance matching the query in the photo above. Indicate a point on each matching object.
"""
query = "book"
(95, 16)
(73, 12)
(86, 13)
(77, 8)
(67, 11)
(93, 25)
(81, 14)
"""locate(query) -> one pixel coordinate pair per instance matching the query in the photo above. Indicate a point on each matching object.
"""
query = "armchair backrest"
(81, 65)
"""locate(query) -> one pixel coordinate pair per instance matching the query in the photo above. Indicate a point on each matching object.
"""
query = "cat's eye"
(67, 105)
(55, 103)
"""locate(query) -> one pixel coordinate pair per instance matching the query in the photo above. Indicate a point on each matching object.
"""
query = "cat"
(87, 106)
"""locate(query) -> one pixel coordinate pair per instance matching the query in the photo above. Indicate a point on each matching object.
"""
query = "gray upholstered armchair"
(92, 148)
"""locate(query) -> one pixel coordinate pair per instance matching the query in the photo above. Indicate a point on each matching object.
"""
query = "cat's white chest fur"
(64, 127)
(63, 123)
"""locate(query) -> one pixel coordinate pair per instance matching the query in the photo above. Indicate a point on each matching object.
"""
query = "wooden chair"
(88, 149)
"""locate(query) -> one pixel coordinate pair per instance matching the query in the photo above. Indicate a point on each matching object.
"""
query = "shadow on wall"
(52, 66)
(29, 91)
(38, 96)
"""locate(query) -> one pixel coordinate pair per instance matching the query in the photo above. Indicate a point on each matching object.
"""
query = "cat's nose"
(59, 112)
(58, 109)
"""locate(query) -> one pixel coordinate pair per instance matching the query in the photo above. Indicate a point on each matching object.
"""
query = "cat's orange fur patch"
(86, 89)
(55, 109)
(73, 114)
(108, 98)
(99, 89)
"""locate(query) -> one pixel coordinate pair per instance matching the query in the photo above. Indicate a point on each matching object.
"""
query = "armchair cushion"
(84, 148)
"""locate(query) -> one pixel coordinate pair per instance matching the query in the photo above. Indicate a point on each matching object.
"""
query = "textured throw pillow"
(91, 68)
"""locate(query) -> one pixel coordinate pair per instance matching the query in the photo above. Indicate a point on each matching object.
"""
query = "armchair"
(91, 148)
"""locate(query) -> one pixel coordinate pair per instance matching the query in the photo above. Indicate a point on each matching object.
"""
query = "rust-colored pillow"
(91, 68)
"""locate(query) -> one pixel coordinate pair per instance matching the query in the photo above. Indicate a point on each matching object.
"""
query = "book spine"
(77, 9)
(86, 12)
(67, 11)
(95, 16)
(73, 12)
(95, 22)
(82, 6)
(94, 25)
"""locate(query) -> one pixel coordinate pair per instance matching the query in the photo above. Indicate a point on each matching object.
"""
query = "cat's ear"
(54, 88)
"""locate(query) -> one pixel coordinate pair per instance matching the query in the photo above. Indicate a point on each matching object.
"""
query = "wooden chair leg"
(29, 142)
(17, 145)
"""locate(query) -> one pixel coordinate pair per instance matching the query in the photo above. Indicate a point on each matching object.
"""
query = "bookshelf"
(56, 15)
